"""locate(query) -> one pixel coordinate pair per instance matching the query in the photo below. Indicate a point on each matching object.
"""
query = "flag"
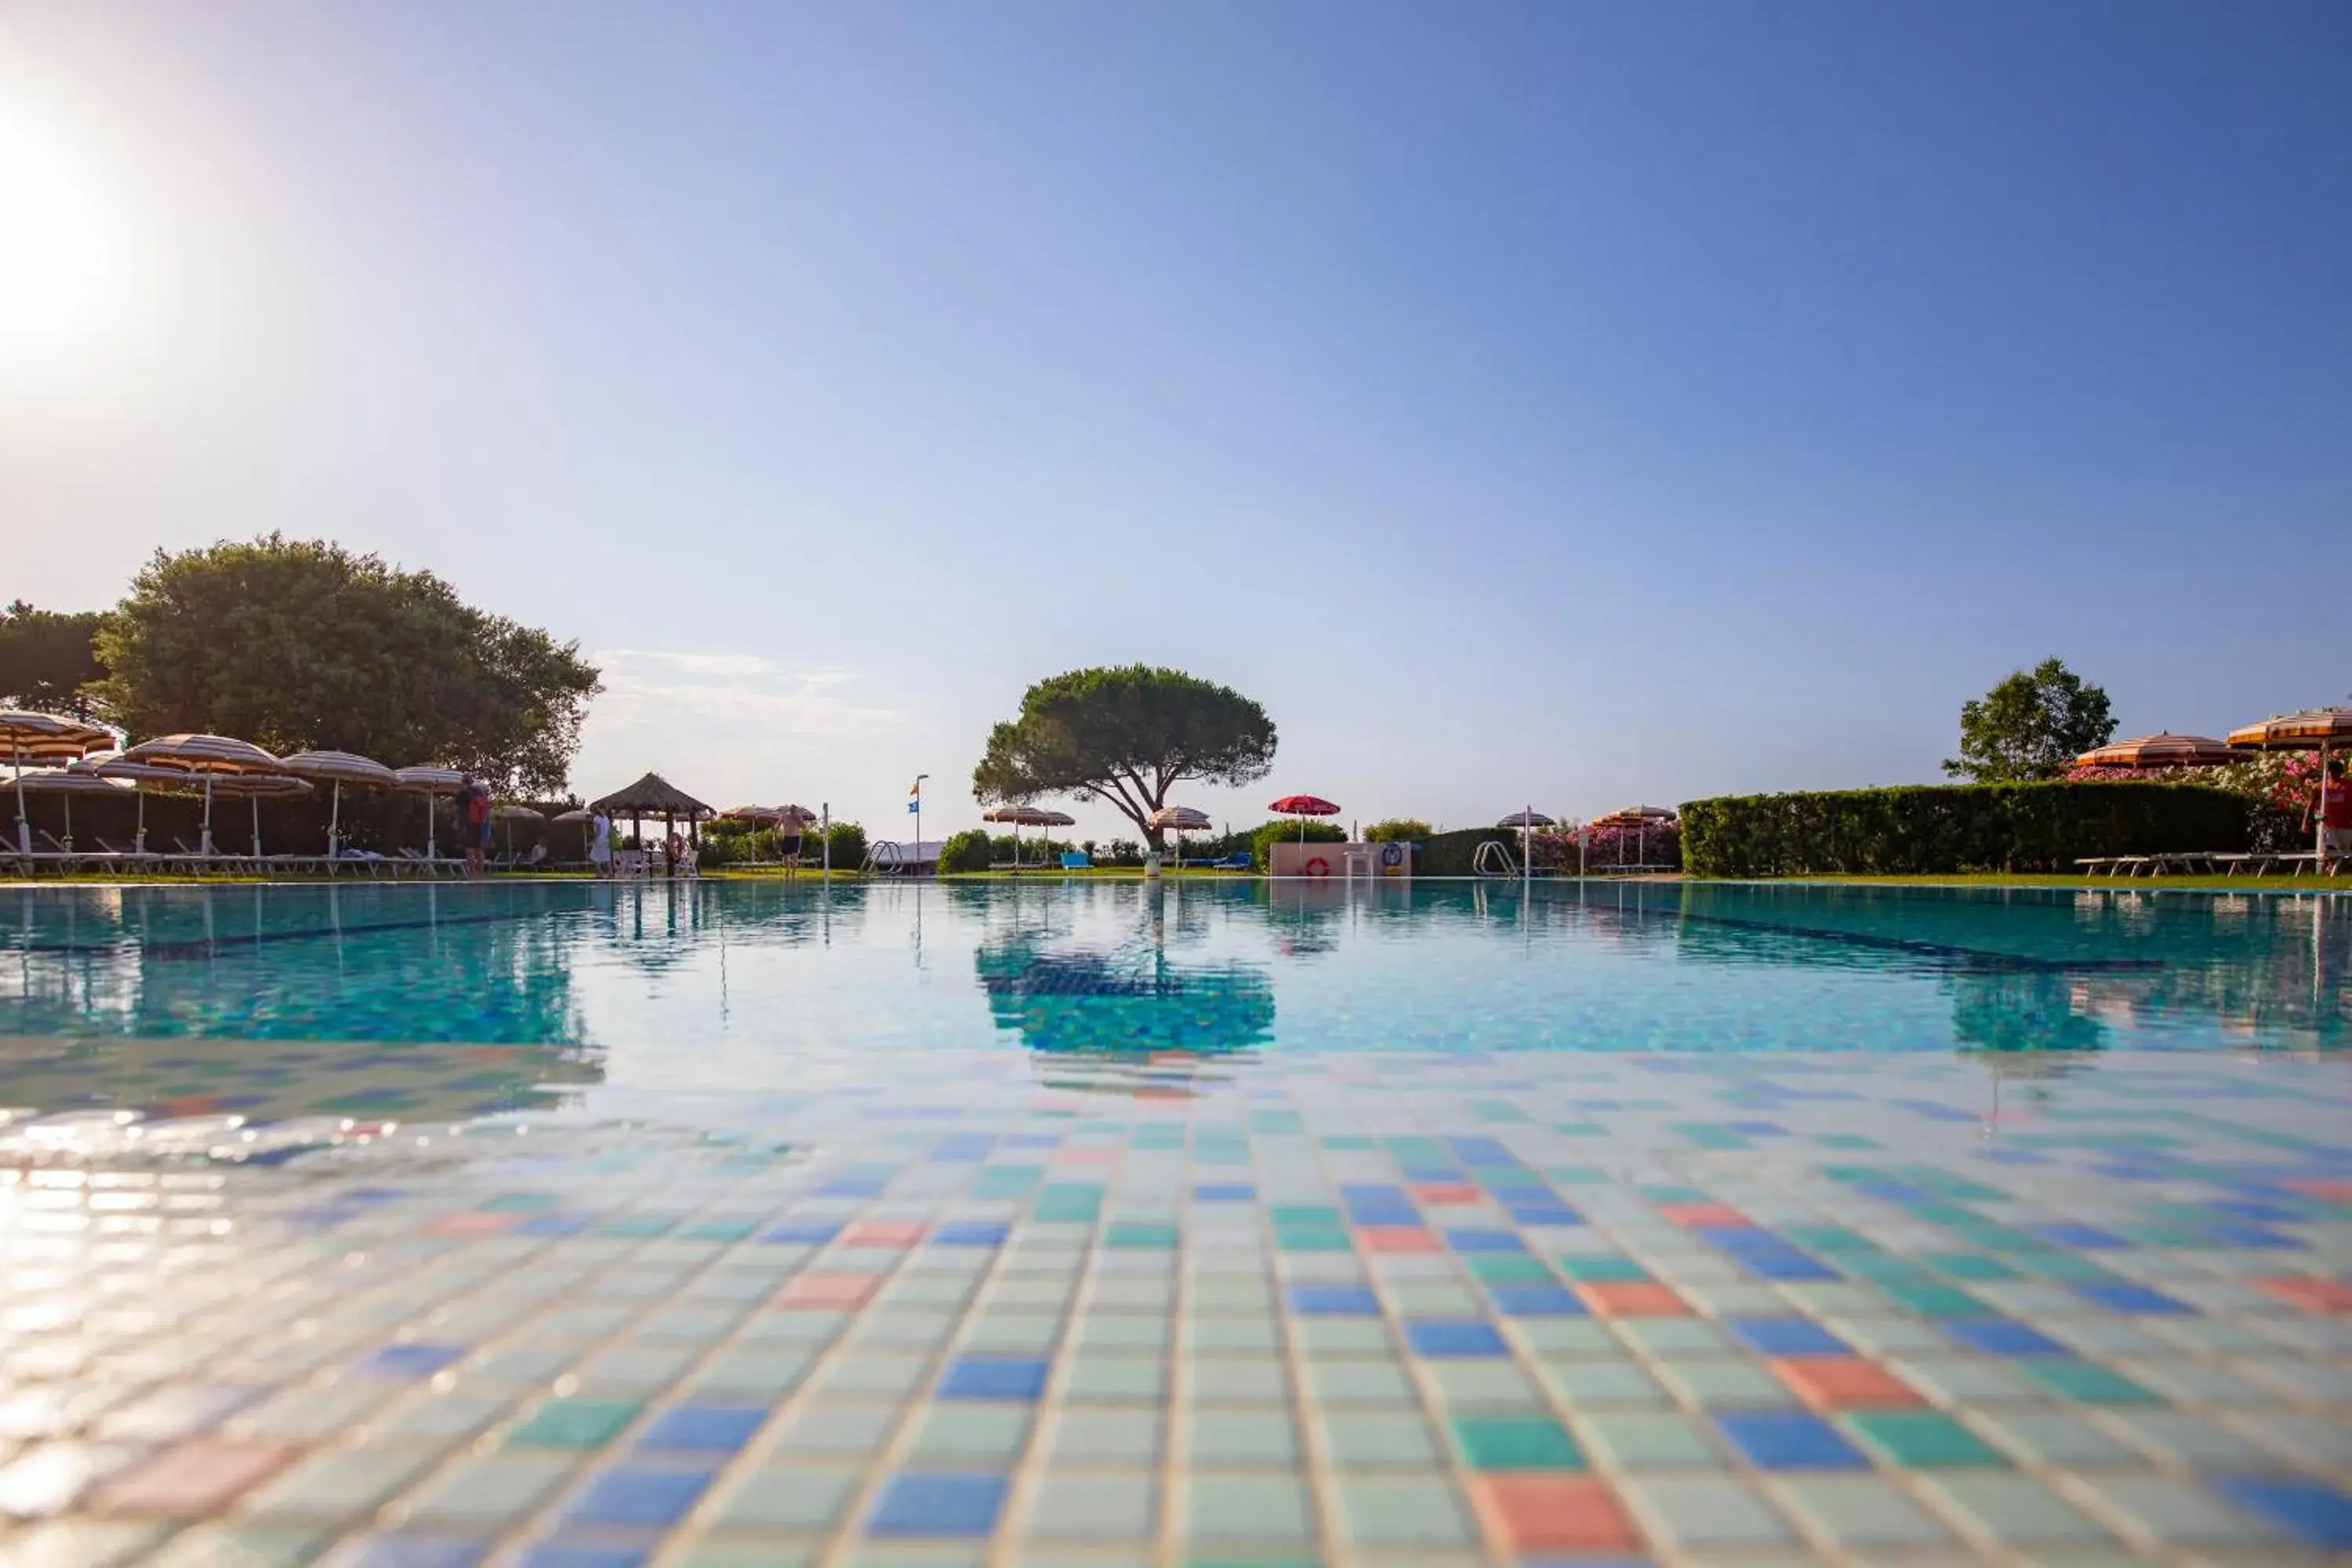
(915, 788)
(914, 806)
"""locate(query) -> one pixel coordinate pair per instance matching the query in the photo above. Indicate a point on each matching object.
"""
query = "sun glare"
(60, 241)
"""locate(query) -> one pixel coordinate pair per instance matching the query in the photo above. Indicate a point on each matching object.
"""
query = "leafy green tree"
(1400, 829)
(49, 660)
(1126, 736)
(295, 644)
(2030, 726)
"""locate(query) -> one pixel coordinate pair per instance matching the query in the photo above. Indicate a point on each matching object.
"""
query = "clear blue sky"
(1575, 403)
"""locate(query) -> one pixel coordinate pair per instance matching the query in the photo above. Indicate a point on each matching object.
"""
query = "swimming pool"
(1099, 1223)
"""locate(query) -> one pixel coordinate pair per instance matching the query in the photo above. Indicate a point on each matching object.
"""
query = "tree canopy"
(2032, 725)
(1127, 736)
(47, 660)
(297, 645)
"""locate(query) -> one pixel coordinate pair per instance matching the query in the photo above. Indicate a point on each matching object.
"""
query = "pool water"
(1099, 1223)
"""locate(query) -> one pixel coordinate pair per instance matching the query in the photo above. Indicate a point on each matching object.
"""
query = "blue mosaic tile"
(993, 1377)
(639, 1497)
(1439, 1338)
(1787, 1440)
(2144, 1300)
(410, 1361)
(916, 1504)
(1786, 1337)
(2003, 1336)
(1334, 1302)
(2313, 1512)
(1536, 1301)
(714, 1427)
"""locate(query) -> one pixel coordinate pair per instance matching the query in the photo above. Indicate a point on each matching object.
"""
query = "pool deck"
(1005, 1309)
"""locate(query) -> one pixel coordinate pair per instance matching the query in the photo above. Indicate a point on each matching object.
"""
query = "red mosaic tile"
(1844, 1383)
(1525, 1513)
(2319, 1188)
(1698, 1216)
(470, 1224)
(2332, 1297)
(883, 1233)
(1446, 1192)
(828, 1290)
(1396, 1239)
(1633, 1299)
(193, 1478)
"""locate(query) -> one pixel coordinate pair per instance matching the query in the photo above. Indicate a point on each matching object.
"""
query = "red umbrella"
(1303, 806)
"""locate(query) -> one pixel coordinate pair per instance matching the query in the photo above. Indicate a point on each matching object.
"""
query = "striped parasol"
(144, 778)
(1020, 816)
(32, 737)
(339, 768)
(1180, 820)
(2320, 730)
(65, 784)
(256, 788)
(212, 758)
(2161, 751)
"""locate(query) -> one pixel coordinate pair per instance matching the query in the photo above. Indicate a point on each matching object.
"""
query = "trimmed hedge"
(1931, 829)
(1268, 833)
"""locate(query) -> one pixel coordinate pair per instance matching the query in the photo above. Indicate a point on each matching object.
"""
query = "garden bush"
(1397, 829)
(1931, 829)
(967, 851)
(848, 840)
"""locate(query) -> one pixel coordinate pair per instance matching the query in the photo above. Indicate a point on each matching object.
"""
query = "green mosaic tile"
(1515, 1443)
(1067, 1203)
(1139, 1235)
(1602, 1270)
(1508, 1270)
(575, 1423)
(2086, 1382)
(1003, 1182)
(1937, 1301)
(1920, 1439)
(1968, 1266)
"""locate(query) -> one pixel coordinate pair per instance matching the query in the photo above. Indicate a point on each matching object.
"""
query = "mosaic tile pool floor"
(1071, 1225)
(1289, 1307)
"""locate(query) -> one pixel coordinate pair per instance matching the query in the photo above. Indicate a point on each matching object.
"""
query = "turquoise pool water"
(597, 986)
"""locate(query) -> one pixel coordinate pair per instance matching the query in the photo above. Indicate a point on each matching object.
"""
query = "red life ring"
(1318, 867)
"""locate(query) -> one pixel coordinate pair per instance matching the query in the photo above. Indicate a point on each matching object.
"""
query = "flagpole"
(919, 824)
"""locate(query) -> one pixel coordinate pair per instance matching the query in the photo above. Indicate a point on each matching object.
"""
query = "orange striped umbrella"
(2161, 751)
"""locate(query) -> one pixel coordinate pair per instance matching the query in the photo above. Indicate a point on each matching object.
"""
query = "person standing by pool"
(2334, 810)
(600, 844)
(474, 821)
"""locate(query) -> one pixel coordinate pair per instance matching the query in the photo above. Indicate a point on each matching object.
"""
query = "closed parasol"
(208, 758)
(2162, 751)
(44, 738)
(1303, 806)
(2321, 729)
(430, 782)
(339, 768)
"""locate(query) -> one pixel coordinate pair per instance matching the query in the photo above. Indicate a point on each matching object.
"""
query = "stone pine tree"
(2032, 725)
(1126, 737)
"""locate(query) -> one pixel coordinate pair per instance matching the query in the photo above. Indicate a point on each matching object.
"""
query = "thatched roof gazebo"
(654, 796)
